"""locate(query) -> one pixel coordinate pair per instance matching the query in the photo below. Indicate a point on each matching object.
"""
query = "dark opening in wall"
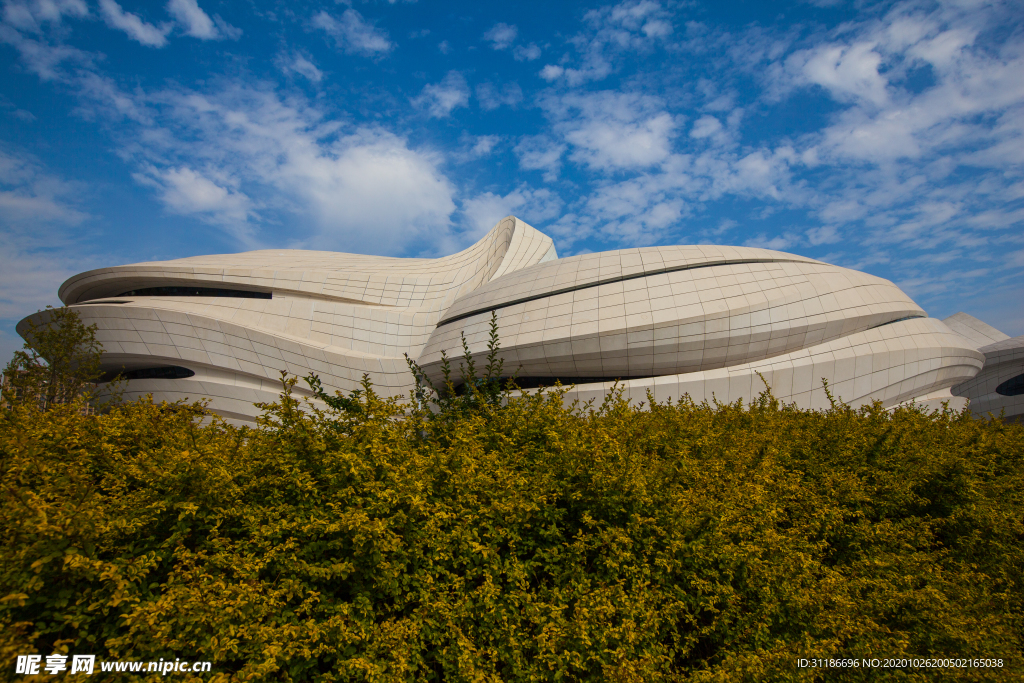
(159, 372)
(537, 382)
(177, 290)
(1011, 387)
(899, 320)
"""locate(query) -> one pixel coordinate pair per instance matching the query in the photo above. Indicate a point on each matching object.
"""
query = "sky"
(882, 136)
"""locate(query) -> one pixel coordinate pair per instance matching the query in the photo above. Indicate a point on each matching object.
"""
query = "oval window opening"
(197, 291)
(462, 388)
(1011, 387)
(159, 372)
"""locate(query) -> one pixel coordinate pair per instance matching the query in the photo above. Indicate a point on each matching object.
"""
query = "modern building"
(712, 322)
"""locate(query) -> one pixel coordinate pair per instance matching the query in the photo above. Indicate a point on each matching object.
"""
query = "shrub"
(514, 540)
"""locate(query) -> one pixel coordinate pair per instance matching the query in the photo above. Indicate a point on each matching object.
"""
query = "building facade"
(711, 322)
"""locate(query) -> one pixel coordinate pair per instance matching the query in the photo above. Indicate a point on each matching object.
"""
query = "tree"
(60, 362)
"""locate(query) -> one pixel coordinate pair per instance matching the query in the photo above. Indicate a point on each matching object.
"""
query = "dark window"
(160, 372)
(1012, 387)
(899, 320)
(537, 382)
(197, 291)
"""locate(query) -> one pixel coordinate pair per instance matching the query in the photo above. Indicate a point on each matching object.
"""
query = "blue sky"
(887, 137)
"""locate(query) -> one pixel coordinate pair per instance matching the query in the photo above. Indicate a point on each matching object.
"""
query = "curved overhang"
(351, 278)
(662, 311)
(593, 270)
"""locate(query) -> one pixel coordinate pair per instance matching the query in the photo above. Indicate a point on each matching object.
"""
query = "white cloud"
(1016, 259)
(551, 72)
(656, 28)
(30, 274)
(440, 99)
(943, 49)
(29, 196)
(300, 64)
(353, 34)
(372, 178)
(501, 36)
(609, 144)
(760, 173)
(825, 234)
(491, 97)
(41, 58)
(634, 26)
(198, 23)
(478, 147)
(136, 29)
(526, 53)
(709, 128)
(484, 145)
(188, 192)
(848, 72)
(248, 160)
(631, 15)
(611, 130)
(540, 153)
(779, 242)
(887, 158)
(922, 148)
(39, 239)
(641, 210)
(30, 15)
(32, 267)
(102, 93)
(705, 126)
(535, 206)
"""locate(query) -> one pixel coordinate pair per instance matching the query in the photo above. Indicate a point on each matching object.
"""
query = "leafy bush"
(515, 539)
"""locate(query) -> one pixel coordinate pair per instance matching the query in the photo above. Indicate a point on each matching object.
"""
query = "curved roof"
(668, 310)
(592, 270)
(353, 278)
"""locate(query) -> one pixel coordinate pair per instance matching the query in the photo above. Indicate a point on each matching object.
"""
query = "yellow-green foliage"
(514, 542)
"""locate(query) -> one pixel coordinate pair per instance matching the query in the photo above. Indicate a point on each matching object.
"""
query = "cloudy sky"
(882, 136)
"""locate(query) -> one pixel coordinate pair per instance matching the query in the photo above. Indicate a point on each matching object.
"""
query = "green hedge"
(514, 542)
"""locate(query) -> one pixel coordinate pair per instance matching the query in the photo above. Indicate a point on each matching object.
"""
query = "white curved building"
(708, 321)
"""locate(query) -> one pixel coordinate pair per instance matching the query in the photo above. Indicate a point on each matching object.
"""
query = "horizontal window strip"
(184, 290)
(549, 381)
(899, 320)
(157, 372)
